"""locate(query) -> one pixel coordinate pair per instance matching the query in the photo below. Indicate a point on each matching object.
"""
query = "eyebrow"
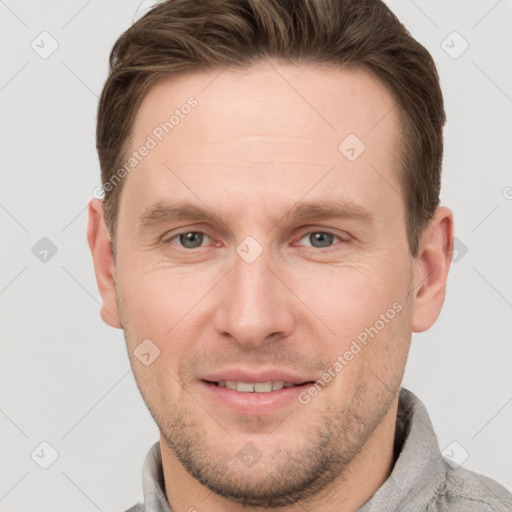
(164, 212)
(328, 210)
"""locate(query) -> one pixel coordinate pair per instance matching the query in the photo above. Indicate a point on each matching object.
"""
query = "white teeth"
(245, 387)
(263, 387)
(259, 387)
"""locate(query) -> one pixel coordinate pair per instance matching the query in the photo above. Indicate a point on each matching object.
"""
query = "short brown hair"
(180, 36)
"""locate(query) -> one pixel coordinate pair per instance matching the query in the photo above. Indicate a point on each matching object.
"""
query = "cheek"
(350, 298)
(156, 301)
(156, 310)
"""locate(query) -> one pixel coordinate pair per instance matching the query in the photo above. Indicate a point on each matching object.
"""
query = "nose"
(255, 305)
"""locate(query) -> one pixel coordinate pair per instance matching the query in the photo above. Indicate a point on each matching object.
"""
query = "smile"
(255, 387)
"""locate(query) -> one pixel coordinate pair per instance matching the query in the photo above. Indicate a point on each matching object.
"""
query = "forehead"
(270, 127)
(322, 103)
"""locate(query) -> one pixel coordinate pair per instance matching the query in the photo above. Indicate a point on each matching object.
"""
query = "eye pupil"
(191, 240)
(323, 239)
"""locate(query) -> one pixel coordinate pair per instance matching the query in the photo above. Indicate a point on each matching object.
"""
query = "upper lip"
(269, 375)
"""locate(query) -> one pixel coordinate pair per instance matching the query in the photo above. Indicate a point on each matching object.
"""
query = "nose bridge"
(254, 303)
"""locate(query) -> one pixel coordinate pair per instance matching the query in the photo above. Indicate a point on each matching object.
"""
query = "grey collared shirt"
(421, 479)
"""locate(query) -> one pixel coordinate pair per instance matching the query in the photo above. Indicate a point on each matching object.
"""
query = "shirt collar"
(418, 471)
(153, 484)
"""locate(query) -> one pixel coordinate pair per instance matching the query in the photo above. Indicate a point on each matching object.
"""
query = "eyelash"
(324, 249)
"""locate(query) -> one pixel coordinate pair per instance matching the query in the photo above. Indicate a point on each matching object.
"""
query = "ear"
(431, 268)
(101, 250)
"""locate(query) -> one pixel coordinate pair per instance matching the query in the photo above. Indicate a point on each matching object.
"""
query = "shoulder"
(466, 491)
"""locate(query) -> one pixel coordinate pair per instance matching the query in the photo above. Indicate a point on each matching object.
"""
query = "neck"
(347, 493)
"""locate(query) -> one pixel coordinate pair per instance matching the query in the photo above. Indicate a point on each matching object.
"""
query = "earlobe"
(431, 268)
(101, 250)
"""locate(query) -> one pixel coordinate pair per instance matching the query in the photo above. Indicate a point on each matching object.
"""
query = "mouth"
(249, 398)
(256, 387)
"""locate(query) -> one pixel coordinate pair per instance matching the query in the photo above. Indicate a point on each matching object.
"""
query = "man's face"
(260, 292)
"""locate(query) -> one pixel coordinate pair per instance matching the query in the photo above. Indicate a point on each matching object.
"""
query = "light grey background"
(65, 376)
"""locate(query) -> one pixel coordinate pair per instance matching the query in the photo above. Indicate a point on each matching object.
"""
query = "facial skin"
(249, 152)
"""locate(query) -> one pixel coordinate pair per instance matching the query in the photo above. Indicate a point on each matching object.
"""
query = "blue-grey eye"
(192, 239)
(320, 239)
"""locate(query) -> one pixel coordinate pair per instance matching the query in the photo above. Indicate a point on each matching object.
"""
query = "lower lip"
(253, 404)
